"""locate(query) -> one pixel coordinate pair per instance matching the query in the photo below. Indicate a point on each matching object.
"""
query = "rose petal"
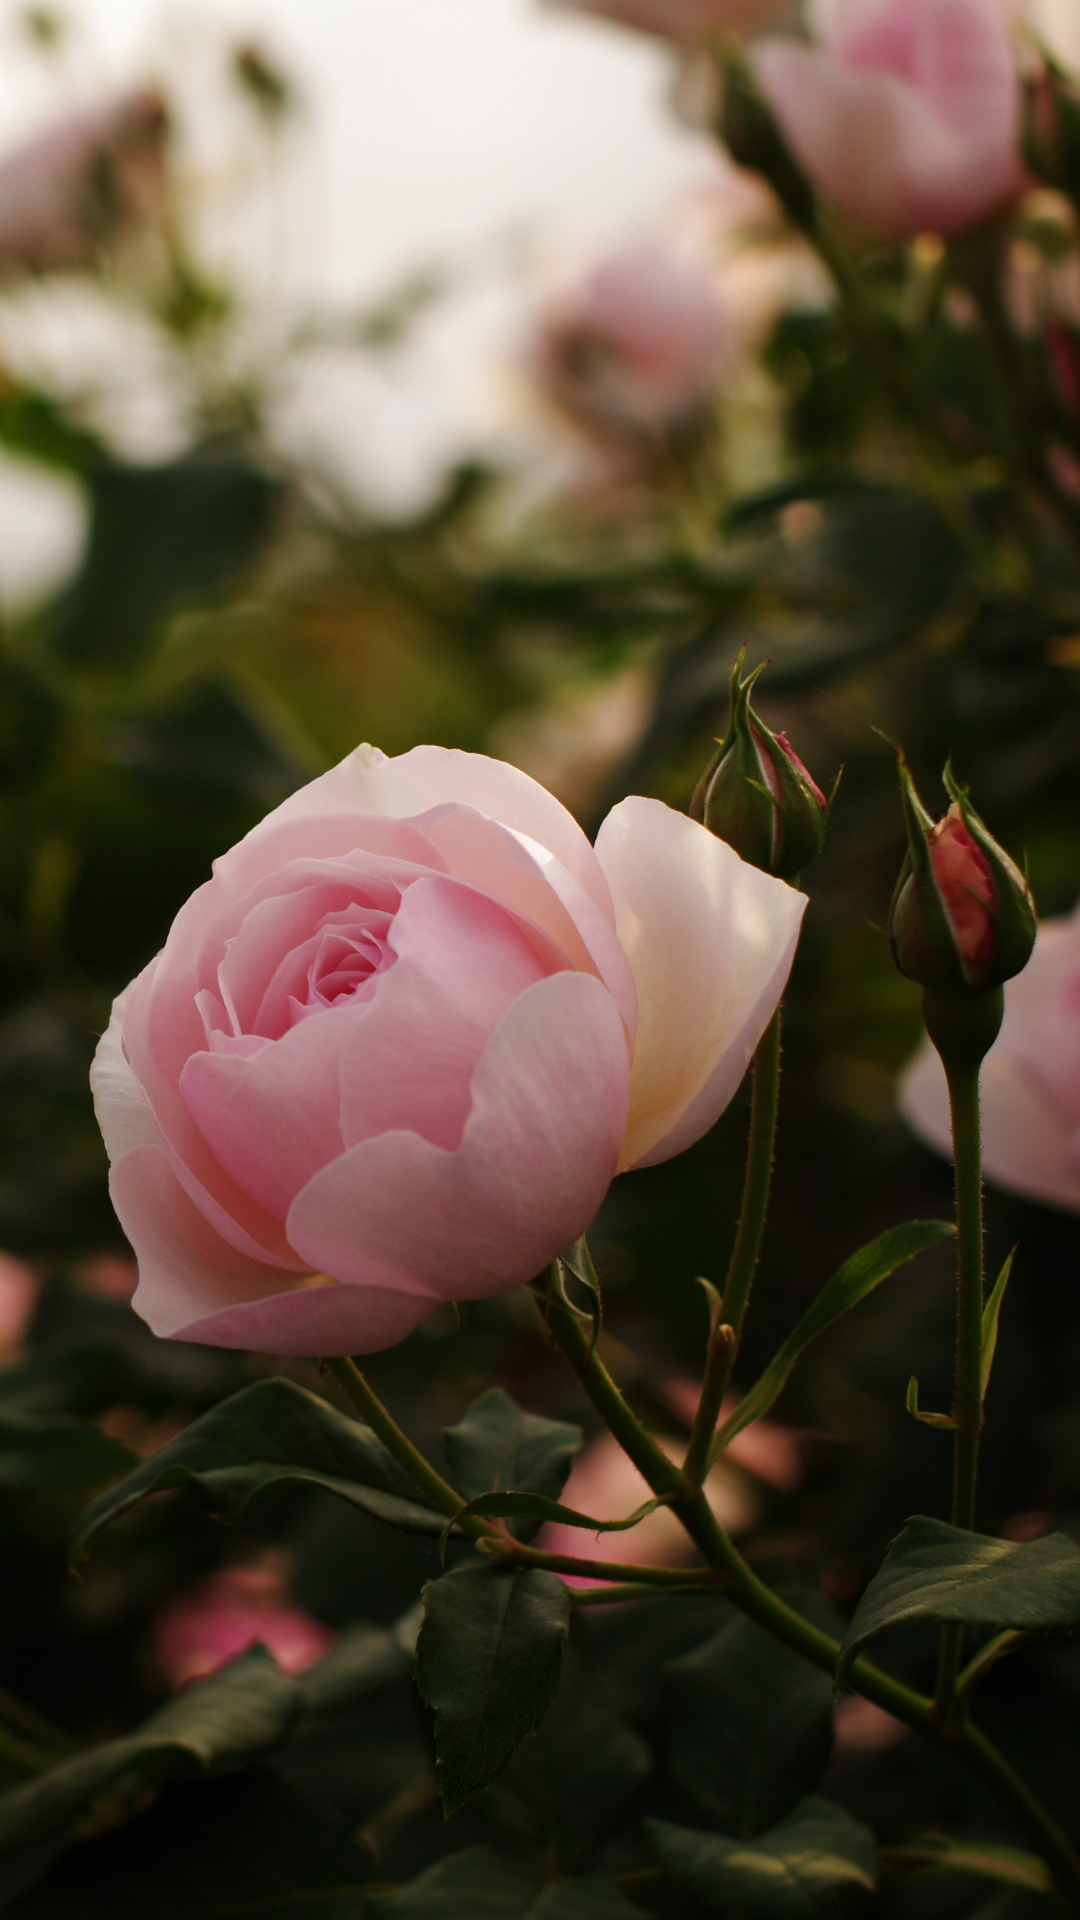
(1027, 1144)
(710, 941)
(315, 1321)
(367, 782)
(185, 1269)
(536, 1156)
(878, 149)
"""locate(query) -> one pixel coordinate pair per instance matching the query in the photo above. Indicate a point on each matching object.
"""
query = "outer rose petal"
(877, 149)
(122, 1110)
(368, 782)
(710, 941)
(538, 1150)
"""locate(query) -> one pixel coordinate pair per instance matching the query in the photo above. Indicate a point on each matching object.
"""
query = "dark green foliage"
(477, 1882)
(793, 1872)
(498, 1446)
(239, 1713)
(488, 1662)
(937, 1572)
(272, 1432)
(750, 1728)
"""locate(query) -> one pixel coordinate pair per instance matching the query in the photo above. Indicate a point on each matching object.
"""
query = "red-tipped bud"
(962, 919)
(756, 793)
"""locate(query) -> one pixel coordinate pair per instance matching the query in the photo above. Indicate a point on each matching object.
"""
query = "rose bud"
(393, 1052)
(962, 919)
(756, 794)
(1030, 1087)
(907, 115)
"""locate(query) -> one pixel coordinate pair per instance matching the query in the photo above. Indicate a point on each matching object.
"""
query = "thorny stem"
(724, 1341)
(743, 1587)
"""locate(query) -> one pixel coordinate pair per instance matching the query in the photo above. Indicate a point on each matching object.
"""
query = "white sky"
(431, 130)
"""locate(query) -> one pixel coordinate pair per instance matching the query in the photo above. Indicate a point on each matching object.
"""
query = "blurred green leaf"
(936, 1572)
(941, 1853)
(488, 1663)
(749, 1728)
(241, 1711)
(40, 1451)
(572, 1781)
(793, 1872)
(859, 1275)
(270, 1433)
(362, 1661)
(160, 538)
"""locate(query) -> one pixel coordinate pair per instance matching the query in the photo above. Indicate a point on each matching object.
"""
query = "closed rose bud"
(962, 918)
(756, 793)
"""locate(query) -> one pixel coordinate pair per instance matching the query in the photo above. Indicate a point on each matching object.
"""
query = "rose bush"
(907, 116)
(1030, 1084)
(394, 1051)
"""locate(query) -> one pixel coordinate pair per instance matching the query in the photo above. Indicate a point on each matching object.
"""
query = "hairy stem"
(724, 1341)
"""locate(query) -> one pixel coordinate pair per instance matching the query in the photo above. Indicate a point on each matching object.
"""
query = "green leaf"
(858, 1276)
(991, 1311)
(943, 1422)
(749, 1727)
(497, 1445)
(268, 1433)
(793, 1872)
(488, 1662)
(940, 1853)
(42, 1450)
(242, 1711)
(535, 1507)
(571, 1782)
(936, 1572)
(479, 1884)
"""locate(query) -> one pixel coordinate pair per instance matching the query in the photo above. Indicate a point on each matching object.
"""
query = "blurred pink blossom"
(1030, 1085)
(862, 1727)
(773, 1454)
(74, 185)
(635, 347)
(907, 116)
(606, 1484)
(228, 1612)
(18, 1297)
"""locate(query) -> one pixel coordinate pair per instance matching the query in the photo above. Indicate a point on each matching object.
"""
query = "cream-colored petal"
(710, 941)
(123, 1112)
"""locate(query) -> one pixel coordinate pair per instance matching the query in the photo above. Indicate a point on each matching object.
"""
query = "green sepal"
(734, 799)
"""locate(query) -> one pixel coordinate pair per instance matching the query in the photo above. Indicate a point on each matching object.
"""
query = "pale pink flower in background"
(607, 1485)
(18, 1298)
(215, 1621)
(77, 183)
(907, 117)
(863, 1727)
(686, 20)
(635, 347)
(1030, 1085)
(394, 1051)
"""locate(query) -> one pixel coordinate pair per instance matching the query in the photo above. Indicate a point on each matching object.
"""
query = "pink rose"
(1030, 1078)
(217, 1620)
(394, 1051)
(636, 347)
(908, 117)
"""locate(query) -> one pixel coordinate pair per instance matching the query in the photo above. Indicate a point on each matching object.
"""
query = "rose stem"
(382, 1423)
(724, 1341)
